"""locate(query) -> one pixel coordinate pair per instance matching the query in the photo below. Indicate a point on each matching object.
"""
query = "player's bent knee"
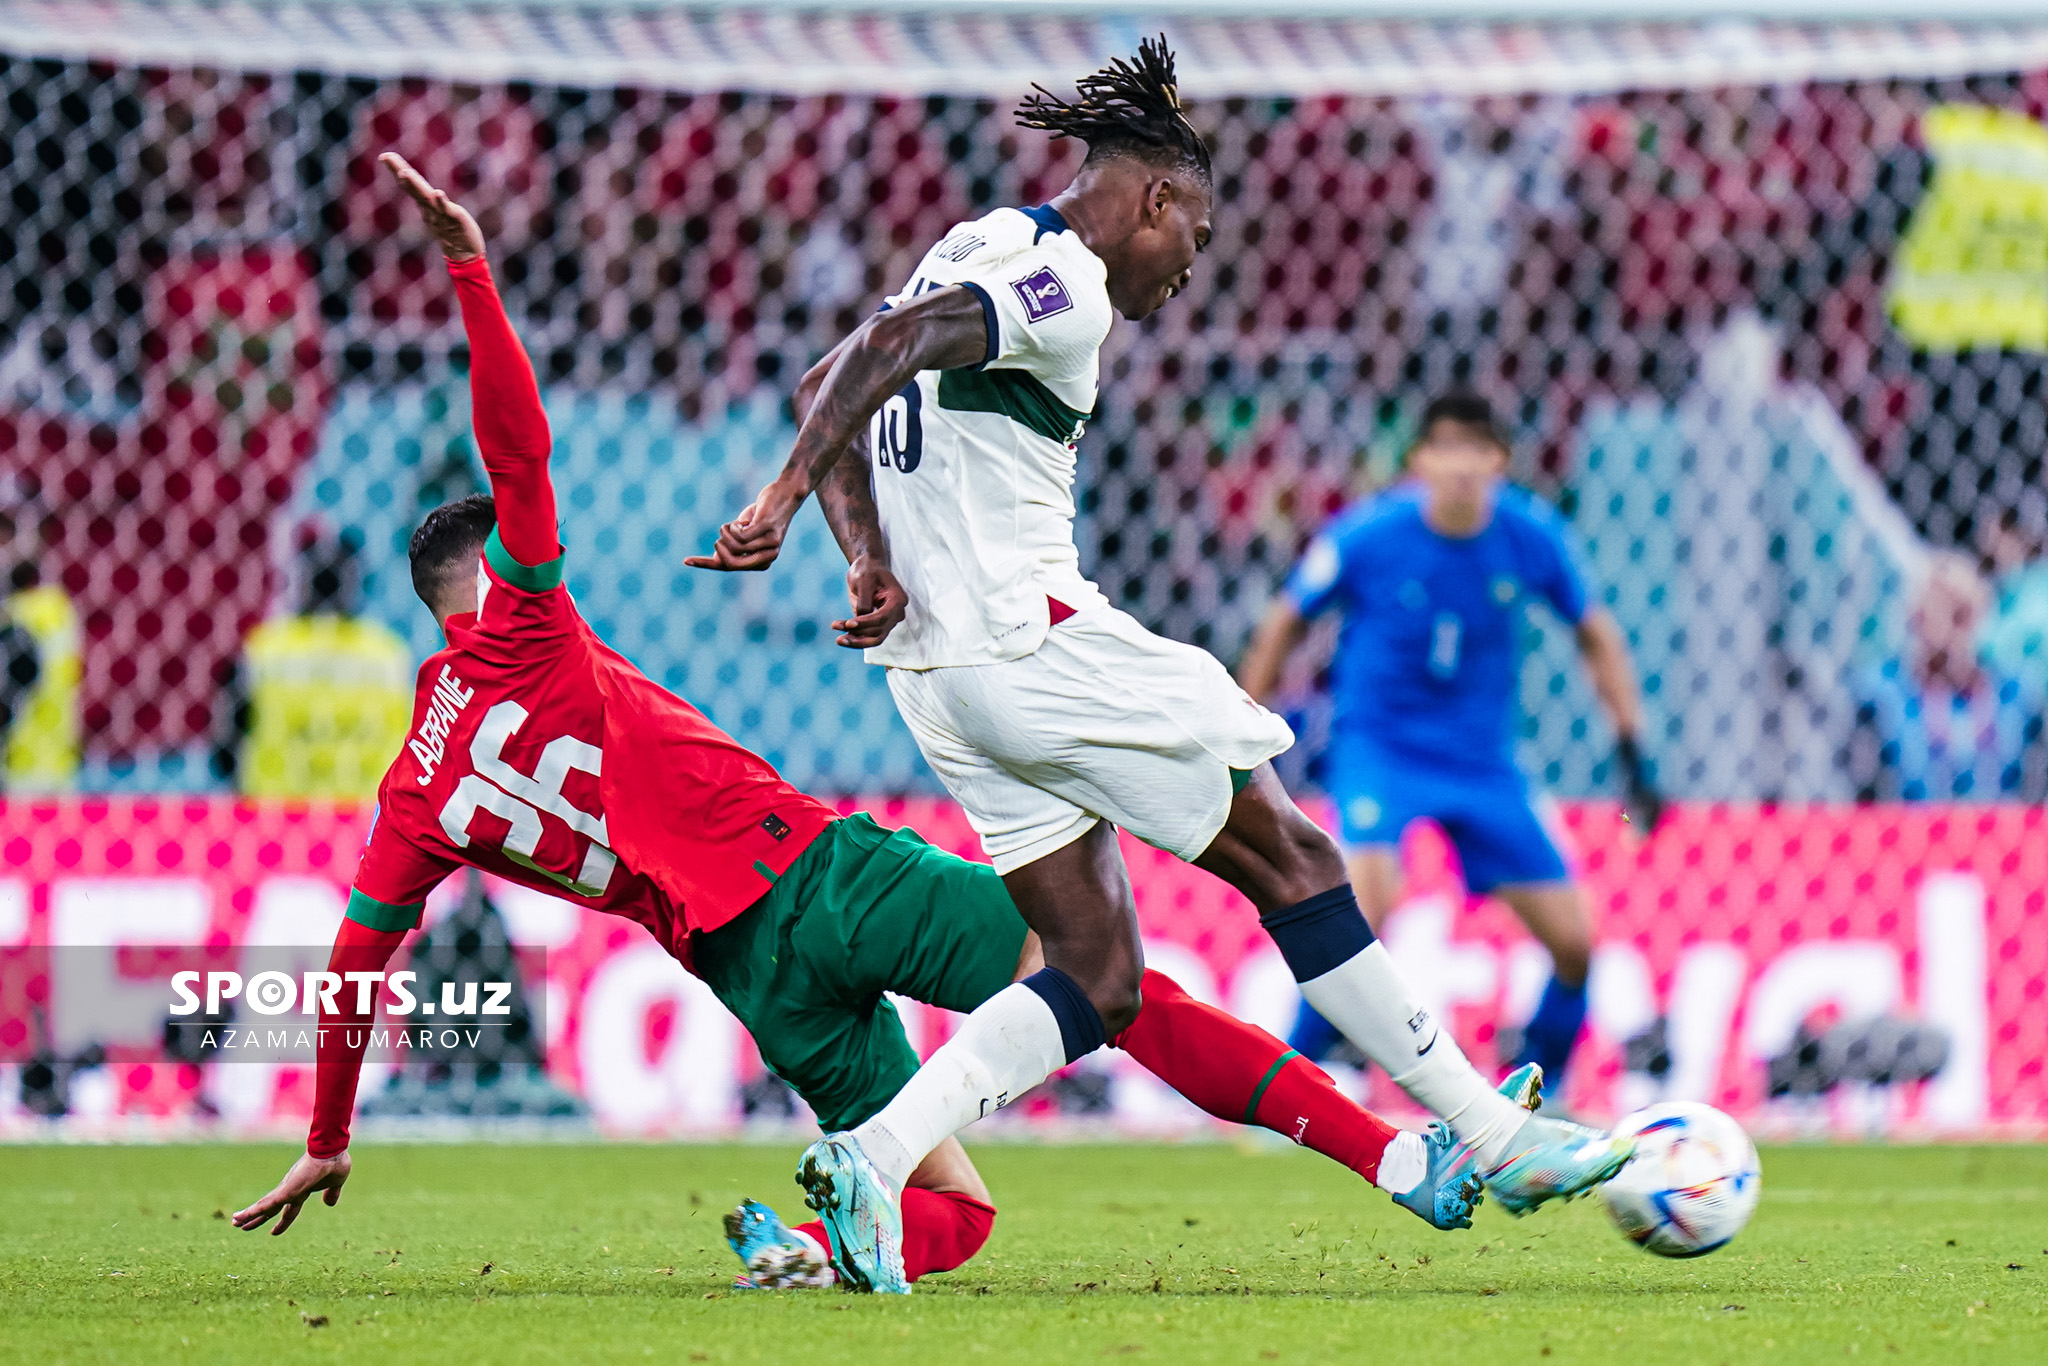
(1117, 992)
(1121, 1013)
(1309, 863)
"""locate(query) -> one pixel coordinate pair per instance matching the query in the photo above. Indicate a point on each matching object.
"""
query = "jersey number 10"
(897, 430)
(510, 795)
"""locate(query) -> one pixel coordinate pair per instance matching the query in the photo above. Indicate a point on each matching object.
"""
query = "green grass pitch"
(1182, 1254)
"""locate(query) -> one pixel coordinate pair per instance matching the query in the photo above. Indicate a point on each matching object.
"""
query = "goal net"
(1765, 306)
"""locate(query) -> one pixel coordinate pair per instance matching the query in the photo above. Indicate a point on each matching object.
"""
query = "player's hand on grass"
(879, 602)
(308, 1175)
(460, 238)
(752, 540)
(1641, 802)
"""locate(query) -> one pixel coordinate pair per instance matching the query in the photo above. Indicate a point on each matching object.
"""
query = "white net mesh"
(1773, 347)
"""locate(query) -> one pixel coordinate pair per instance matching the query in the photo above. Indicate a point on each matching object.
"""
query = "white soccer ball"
(1692, 1184)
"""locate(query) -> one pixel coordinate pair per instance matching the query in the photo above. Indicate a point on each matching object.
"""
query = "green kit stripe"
(765, 871)
(1012, 394)
(534, 578)
(382, 915)
(1259, 1094)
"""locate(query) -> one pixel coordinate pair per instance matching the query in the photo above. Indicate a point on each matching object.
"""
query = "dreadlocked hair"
(1127, 107)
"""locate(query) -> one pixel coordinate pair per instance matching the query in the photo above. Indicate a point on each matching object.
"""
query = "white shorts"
(1105, 721)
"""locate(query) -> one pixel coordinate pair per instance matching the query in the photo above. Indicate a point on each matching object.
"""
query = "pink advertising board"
(1734, 924)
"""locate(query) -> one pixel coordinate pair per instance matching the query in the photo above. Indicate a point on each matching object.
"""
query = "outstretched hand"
(451, 224)
(752, 540)
(308, 1175)
(879, 603)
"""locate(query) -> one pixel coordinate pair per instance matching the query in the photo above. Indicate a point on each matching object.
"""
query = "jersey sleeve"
(511, 428)
(1556, 575)
(394, 877)
(1045, 313)
(1318, 578)
(344, 1036)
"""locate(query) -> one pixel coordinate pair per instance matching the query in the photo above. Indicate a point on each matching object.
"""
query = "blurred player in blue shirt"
(1431, 578)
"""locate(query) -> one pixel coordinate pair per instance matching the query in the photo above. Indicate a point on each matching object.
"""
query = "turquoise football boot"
(860, 1212)
(775, 1257)
(1452, 1188)
(1524, 1086)
(1549, 1159)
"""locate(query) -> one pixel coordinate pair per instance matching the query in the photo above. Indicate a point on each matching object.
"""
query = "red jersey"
(540, 754)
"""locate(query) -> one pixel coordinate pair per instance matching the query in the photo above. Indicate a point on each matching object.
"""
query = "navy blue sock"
(1081, 1031)
(1548, 1037)
(1321, 933)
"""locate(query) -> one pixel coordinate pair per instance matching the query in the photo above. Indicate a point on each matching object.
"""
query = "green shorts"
(864, 910)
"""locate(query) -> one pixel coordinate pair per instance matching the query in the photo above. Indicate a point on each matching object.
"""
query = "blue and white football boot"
(1550, 1159)
(860, 1212)
(1445, 1196)
(1452, 1188)
(776, 1256)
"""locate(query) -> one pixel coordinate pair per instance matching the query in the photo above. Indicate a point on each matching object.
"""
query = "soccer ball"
(1692, 1184)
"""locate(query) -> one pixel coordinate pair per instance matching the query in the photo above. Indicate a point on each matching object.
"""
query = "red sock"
(941, 1230)
(1239, 1072)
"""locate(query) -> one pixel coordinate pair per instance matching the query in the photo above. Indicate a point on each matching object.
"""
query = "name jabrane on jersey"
(430, 745)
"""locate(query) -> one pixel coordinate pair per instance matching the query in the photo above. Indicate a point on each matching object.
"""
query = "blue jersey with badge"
(1428, 657)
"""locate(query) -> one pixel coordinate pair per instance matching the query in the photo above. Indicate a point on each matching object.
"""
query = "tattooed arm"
(942, 330)
(847, 498)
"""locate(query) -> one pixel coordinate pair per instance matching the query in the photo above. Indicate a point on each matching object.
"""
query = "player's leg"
(846, 1061)
(1375, 872)
(1154, 736)
(1508, 852)
(1557, 915)
(1292, 872)
(1274, 854)
(880, 911)
(947, 1217)
(1372, 813)
(794, 969)
(1067, 880)
(894, 914)
(1240, 1073)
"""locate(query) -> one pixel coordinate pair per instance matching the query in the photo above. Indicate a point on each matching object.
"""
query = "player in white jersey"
(1052, 717)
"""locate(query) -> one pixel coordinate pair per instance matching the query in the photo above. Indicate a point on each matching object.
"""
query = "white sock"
(1007, 1046)
(1368, 1000)
(817, 1249)
(1403, 1164)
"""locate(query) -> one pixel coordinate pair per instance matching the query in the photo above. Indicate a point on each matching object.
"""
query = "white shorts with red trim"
(1104, 721)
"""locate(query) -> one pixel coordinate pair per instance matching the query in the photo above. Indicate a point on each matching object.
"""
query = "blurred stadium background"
(1766, 303)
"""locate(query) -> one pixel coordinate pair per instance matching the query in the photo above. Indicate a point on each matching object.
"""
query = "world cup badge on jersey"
(1043, 293)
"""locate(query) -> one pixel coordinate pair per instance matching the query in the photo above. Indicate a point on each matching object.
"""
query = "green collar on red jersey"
(534, 578)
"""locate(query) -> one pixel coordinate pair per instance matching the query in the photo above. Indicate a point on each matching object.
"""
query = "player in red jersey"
(540, 755)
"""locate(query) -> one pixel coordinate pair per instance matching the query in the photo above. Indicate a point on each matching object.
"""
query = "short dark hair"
(1125, 109)
(447, 543)
(1467, 410)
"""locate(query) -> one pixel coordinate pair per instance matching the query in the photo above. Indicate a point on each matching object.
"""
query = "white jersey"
(974, 468)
